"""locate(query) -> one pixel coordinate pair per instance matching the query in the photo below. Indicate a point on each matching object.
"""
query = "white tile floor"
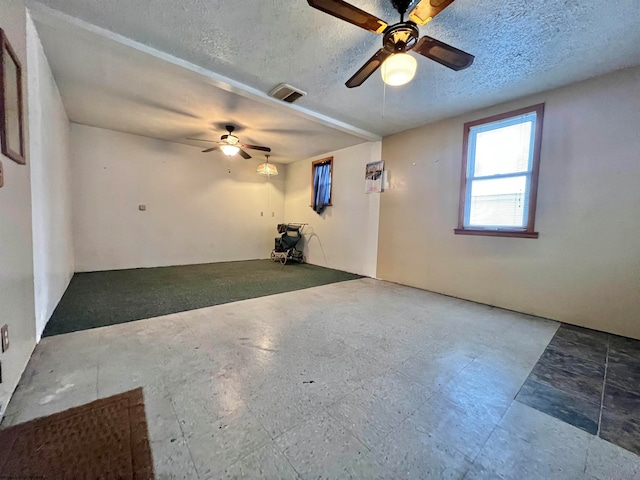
(361, 379)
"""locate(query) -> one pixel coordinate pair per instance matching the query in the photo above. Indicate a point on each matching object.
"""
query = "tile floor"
(361, 379)
(591, 380)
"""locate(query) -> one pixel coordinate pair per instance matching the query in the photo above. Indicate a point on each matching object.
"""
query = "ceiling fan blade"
(255, 147)
(443, 54)
(368, 68)
(244, 154)
(427, 9)
(210, 149)
(349, 13)
(201, 140)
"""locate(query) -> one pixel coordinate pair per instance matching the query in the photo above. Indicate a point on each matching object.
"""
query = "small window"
(500, 167)
(321, 180)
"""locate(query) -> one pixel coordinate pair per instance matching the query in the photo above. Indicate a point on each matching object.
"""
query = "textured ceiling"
(521, 47)
(106, 83)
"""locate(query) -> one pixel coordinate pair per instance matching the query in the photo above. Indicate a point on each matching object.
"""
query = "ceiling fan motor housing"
(401, 37)
(401, 6)
(230, 138)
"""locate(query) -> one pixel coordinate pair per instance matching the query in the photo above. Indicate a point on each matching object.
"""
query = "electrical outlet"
(4, 332)
(142, 208)
(262, 214)
(273, 214)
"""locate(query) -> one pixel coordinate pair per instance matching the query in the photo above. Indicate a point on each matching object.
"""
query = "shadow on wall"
(308, 235)
(236, 168)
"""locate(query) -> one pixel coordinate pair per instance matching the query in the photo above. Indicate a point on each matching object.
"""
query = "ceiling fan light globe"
(399, 69)
(229, 150)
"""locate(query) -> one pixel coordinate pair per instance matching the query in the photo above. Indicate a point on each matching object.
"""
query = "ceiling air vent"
(286, 93)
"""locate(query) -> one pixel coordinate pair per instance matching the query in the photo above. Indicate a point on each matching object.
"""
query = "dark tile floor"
(590, 380)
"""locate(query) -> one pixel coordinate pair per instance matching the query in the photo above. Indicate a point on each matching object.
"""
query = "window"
(321, 178)
(500, 174)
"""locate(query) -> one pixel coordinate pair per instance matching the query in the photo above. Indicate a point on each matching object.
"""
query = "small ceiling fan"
(230, 145)
(400, 38)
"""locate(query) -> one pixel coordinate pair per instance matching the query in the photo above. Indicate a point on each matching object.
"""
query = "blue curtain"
(321, 186)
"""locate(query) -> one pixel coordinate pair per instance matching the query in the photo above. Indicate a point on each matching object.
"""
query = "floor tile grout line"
(287, 459)
(271, 438)
(604, 386)
(186, 443)
(495, 427)
(586, 456)
(275, 444)
(437, 436)
(404, 419)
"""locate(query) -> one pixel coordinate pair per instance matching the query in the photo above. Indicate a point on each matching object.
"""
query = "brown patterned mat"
(103, 439)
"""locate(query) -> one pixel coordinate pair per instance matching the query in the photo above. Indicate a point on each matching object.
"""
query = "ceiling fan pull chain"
(384, 98)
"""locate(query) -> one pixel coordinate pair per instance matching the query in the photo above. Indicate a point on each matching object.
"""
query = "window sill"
(495, 233)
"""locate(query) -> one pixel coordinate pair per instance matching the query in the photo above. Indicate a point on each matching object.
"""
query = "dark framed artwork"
(11, 114)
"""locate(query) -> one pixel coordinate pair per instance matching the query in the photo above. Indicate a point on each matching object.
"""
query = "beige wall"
(196, 212)
(345, 235)
(50, 184)
(16, 248)
(585, 267)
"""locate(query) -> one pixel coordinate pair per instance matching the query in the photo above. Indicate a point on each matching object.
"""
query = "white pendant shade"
(230, 150)
(399, 69)
(267, 169)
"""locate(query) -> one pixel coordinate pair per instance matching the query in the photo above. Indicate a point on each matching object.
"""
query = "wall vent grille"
(287, 93)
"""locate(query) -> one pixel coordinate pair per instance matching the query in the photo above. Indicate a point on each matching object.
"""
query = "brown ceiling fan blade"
(244, 154)
(201, 140)
(349, 13)
(443, 54)
(210, 149)
(255, 147)
(427, 9)
(368, 68)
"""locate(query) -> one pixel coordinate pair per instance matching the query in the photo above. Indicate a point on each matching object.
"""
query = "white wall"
(16, 248)
(50, 184)
(196, 212)
(585, 267)
(345, 235)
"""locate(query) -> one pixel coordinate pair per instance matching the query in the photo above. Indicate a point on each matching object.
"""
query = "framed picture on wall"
(11, 114)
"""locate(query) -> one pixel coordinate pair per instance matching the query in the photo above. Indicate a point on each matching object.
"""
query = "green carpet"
(97, 299)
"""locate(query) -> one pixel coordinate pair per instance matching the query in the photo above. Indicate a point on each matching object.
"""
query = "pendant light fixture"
(267, 168)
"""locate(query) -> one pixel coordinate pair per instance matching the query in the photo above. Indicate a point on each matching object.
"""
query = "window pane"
(502, 150)
(498, 202)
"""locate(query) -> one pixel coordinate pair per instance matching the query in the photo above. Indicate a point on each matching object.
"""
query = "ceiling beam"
(57, 19)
